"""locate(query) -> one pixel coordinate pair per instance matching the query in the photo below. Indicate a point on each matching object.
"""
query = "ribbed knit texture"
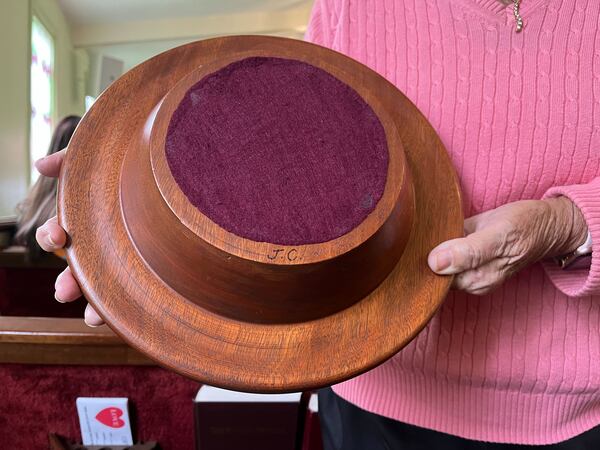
(520, 116)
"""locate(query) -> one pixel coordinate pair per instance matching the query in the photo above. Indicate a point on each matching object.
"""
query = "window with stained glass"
(42, 93)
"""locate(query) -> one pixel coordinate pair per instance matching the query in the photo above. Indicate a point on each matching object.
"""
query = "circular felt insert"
(277, 150)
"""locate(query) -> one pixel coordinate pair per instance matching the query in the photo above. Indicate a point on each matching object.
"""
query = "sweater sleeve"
(322, 24)
(582, 281)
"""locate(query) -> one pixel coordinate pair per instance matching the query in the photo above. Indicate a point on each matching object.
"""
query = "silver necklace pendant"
(517, 14)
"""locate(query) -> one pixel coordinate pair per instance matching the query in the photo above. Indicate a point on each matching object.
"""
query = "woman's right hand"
(51, 237)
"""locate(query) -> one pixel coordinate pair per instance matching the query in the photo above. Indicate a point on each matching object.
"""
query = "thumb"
(458, 255)
(50, 165)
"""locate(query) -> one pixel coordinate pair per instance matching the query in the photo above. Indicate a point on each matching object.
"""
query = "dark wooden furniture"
(53, 340)
(220, 308)
(8, 227)
(15, 257)
(57, 442)
(49, 361)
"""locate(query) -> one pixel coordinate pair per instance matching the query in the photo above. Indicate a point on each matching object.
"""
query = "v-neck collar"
(499, 11)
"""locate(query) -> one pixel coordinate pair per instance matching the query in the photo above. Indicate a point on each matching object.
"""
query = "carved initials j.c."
(290, 255)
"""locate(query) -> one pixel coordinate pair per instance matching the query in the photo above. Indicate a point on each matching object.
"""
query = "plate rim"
(173, 344)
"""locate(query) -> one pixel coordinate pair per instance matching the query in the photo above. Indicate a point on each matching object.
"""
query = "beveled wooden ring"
(123, 272)
(253, 281)
(397, 182)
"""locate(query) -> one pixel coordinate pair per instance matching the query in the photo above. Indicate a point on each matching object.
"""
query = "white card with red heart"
(104, 421)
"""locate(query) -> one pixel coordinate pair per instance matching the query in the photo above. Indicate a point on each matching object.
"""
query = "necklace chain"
(517, 14)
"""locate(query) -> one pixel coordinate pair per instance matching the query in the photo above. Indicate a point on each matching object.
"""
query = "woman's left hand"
(502, 241)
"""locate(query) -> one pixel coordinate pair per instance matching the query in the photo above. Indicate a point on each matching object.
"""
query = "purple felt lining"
(277, 150)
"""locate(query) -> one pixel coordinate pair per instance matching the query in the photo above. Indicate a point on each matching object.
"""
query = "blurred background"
(59, 55)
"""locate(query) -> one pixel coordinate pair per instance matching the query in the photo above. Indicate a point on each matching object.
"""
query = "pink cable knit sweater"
(520, 116)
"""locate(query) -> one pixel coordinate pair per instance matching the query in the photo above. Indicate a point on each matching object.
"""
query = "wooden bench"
(51, 340)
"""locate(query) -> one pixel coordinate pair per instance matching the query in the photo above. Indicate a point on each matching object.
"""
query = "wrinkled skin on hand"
(500, 242)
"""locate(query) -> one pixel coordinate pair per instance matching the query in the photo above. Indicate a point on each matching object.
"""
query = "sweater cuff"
(584, 281)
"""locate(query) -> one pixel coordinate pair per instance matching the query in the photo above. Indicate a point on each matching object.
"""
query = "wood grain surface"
(130, 275)
(398, 183)
(258, 281)
(50, 340)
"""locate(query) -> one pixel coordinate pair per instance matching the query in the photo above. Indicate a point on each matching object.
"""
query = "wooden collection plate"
(226, 310)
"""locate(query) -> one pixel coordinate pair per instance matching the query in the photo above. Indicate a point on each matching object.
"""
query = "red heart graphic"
(111, 417)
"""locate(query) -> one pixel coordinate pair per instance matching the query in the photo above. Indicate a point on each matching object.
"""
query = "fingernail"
(58, 299)
(57, 280)
(50, 240)
(443, 260)
(37, 161)
(86, 319)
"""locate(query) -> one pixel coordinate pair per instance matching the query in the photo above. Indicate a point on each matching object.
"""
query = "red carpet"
(36, 400)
